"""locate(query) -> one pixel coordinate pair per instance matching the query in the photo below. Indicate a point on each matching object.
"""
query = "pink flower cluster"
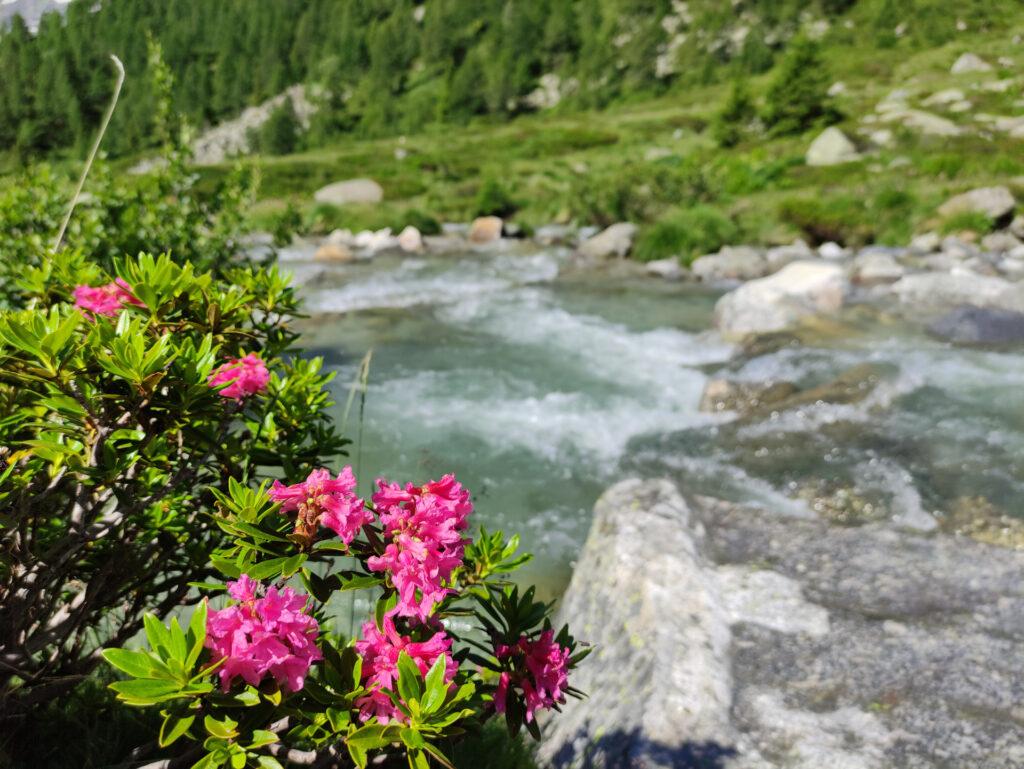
(106, 300)
(247, 375)
(323, 500)
(424, 525)
(380, 665)
(541, 672)
(268, 634)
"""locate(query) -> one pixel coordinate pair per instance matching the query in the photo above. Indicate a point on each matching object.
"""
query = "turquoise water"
(539, 386)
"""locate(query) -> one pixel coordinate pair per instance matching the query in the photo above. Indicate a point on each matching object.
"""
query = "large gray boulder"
(831, 147)
(730, 263)
(658, 678)
(613, 241)
(939, 291)
(797, 291)
(731, 638)
(350, 191)
(994, 202)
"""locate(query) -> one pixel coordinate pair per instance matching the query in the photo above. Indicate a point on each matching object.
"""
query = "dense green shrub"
(114, 444)
(687, 233)
(843, 219)
(425, 223)
(493, 199)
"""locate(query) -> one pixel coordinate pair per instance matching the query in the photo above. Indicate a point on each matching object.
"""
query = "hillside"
(394, 67)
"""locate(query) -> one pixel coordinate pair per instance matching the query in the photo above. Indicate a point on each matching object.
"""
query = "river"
(539, 386)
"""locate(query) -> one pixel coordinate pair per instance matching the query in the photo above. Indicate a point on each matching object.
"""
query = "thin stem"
(92, 153)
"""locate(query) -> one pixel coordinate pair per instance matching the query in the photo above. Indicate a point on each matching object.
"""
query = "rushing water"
(539, 389)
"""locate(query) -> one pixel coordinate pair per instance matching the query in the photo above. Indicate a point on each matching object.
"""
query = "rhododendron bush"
(128, 401)
(262, 676)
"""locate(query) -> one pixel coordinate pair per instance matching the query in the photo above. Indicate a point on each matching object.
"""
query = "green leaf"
(411, 738)
(268, 762)
(196, 635)
(260, 738)
(223, 729)
(436, 753)
(173, 727)
(138, 664)
(149, 690)
(436, 688)
(410, 683)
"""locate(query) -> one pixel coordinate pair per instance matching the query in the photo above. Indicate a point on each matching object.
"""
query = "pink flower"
(424, 525)
(321, 500)
(248, 375)
(540, 672)
(105, 300)
(380, 666)
(260, 636)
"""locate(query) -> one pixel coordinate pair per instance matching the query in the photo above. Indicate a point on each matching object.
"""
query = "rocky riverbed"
(730, 637)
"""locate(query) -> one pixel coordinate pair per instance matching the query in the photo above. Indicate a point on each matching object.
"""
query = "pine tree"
(797, 98)
(733, 120)
(280, 134)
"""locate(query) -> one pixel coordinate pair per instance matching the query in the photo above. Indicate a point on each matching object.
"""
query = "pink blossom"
(105, 300)
(247, 376)
(380, 665)
(263, 635)
(424, 525)
(323, 500)
(541, 672)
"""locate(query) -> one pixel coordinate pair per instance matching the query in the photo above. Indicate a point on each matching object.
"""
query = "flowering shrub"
(125, 407)
(451, 642)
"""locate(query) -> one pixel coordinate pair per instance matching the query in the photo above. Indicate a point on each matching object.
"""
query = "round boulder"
(832, 147)
(350, 191)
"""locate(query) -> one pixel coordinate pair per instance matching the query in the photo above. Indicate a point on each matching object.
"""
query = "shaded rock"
(798, 290)
(669, 268)
(757, 344)
(940, 291)
(1016, 226)
(553, 234)
(959, 246)
(872, 269)
(831, 147)
(658, 680)
(485, 229)
(969, 62)
(1001, 242)
(730, 263)
(925, 243)
(840, 504)
(444, 244)
(1012, 267)
(410, 240)
(614, 241)
(743, 397)
(980, 326)
(851, 386)
(832, 251)
(994, 202)
(350, 191)
(333, 252)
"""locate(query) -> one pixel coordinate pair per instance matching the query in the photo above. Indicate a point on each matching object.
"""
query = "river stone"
(798, 290)
(779, 256)
(658, 680)
(614, 241)
(874, 268)
(333, 252)
(831, 147)
(994, 202)
(669, 269)
(927, 292)
(743, 397)
(969, 62)
(350, 191)
(730, 263)
(485, 229)
(980, 326)
(410, 240)
(1002, 242)
(925, 243)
